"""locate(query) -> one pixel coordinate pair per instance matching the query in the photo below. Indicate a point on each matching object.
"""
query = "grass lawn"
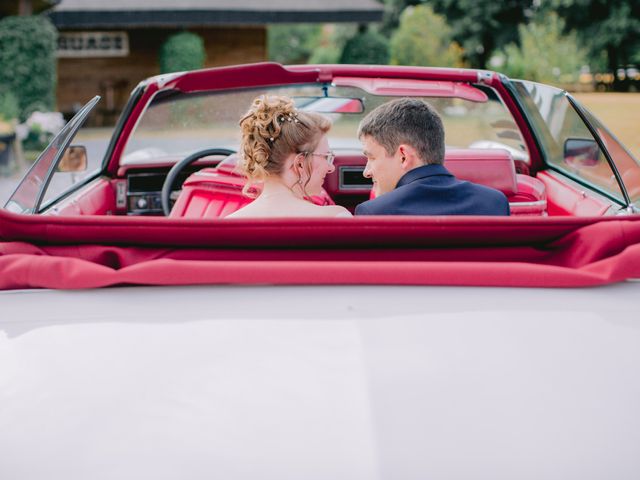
(620, 112)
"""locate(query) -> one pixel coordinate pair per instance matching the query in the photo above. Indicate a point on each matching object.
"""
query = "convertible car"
(367, 347)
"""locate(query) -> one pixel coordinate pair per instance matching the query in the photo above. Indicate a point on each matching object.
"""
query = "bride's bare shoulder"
(337, 211)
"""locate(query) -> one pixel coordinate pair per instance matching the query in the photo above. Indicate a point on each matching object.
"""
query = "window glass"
(176, 124)
(565, 140)
(95, 141)
(627, 165)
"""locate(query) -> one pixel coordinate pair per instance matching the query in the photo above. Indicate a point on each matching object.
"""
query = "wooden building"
(107, 46)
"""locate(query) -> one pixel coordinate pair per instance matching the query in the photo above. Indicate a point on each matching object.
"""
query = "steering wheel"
(169, 182)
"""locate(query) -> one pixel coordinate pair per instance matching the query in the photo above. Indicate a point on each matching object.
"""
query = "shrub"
(39, 129)
(326, 54)
(366, 47)
(424, 38)
(182, 51)
(9, 106)
(292, 43)
(27, 56)
(545, 53)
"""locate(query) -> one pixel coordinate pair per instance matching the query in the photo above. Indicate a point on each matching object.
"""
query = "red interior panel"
(564, 199)
(408, 86)
(96, 198)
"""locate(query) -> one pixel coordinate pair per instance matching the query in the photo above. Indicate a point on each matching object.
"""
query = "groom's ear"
(408, 157)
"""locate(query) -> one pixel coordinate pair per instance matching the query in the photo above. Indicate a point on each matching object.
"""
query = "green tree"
(366, 47)
(27, 56)
(292, 43)
(481, 26)
(392, 11)
(182, 51)
(608, 27)
(545, 53)
(332, 40)
(424, 38)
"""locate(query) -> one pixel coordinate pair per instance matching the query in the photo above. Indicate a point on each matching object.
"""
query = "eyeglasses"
(329, 156)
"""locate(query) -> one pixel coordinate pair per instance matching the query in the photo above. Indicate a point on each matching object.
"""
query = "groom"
(403, 141)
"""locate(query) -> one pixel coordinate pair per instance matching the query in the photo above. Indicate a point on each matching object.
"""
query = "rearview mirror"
(329, 104)
(74, 159)
(581, 152)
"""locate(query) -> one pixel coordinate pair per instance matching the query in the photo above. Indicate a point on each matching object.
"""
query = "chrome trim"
(535, 203)
(485, 77)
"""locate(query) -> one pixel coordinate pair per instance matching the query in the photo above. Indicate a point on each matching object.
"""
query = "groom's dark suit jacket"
(432, 190)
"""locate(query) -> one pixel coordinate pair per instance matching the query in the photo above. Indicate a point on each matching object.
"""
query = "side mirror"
(74, 159)
(581, 152)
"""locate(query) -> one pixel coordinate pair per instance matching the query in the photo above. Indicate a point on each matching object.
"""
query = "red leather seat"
(210, 194)
(495, 168)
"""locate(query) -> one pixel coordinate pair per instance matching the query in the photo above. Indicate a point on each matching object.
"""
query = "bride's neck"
(274, 187)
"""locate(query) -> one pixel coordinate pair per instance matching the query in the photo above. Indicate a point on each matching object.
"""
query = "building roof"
(163, 13)
(11, 7)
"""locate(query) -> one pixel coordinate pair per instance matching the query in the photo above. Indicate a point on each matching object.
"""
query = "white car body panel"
(320, 382)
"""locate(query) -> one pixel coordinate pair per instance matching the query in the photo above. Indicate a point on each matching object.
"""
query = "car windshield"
(176, 124)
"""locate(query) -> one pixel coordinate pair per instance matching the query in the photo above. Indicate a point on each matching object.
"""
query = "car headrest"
(230, 165)
(490, 167)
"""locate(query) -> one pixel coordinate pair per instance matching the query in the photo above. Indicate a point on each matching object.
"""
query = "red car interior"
(96, 198)
(217, 191)
(565, 199)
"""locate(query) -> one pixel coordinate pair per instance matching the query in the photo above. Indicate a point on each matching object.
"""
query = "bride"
(288, 151)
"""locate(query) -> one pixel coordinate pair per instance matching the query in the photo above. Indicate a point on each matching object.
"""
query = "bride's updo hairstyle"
(272, 130)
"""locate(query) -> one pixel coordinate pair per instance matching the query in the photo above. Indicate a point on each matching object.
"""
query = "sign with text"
(93, 44)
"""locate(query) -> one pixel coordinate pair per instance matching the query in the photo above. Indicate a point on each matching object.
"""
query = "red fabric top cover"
(597, 253)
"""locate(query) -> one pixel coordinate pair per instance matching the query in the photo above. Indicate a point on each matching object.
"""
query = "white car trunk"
(320, 382)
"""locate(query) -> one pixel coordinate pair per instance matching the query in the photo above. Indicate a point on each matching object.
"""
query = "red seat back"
(490, 167)
(210, 194)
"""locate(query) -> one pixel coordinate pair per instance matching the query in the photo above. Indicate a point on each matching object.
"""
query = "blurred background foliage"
(424, 38)
(563, 42)
(27, 56)
(182, 51)
(366, 47)
(543, 53)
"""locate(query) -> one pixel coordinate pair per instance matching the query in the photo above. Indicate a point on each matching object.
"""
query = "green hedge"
(9, 106)
(366, 47)
(182, 51)
(28, 62)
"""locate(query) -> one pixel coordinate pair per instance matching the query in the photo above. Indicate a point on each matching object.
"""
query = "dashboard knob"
(142, 203)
